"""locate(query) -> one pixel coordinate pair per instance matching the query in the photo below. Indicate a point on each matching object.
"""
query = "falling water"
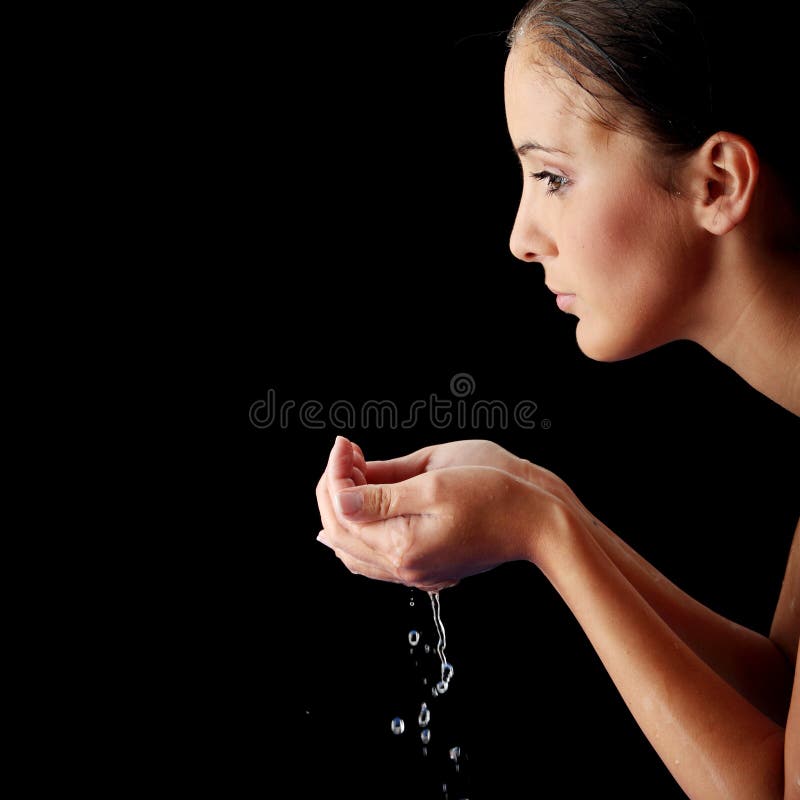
(442, 685)
(447, 668)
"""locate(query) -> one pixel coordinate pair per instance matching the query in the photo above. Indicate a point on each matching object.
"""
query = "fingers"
(340, 465)
(393, 471)
(348, 539)
(346, 464)
(369, 526)
(381, 501)
(359, 462)
(327, 517)
(356, 565)
(398, 469)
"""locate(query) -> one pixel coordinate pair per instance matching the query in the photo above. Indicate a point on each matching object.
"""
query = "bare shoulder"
(785, 630)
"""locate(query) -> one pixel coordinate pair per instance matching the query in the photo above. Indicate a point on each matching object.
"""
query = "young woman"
(662, 207)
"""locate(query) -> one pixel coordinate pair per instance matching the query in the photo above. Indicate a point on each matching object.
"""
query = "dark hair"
(685, 69)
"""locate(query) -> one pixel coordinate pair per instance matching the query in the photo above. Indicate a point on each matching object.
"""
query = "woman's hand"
(426, 520)
(464, 453)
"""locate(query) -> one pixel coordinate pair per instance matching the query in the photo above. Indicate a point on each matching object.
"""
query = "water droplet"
(424, 681)
(413, 638)
(455, 752)
(425, 736)
(427, 648)
(447, 672)
(424, 751)
(398, 726)
(424, 715)
(411, 651)
(434, 692)
(441, 687)
(411, 604)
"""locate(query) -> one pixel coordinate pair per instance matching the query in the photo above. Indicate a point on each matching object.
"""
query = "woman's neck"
(751, 318)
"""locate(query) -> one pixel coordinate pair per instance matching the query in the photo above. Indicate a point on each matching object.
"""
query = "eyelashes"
(554, 182)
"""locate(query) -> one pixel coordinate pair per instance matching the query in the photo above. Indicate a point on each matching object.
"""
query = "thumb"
(372, 502)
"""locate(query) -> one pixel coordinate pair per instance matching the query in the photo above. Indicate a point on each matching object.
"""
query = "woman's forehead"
(538, 97)
(542, 100)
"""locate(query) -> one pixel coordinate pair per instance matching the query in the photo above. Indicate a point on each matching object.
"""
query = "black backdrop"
(363, 192)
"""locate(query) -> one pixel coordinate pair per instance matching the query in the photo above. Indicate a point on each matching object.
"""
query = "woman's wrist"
(546, 544)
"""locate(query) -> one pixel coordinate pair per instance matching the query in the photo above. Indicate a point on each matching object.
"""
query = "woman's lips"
(564, 301)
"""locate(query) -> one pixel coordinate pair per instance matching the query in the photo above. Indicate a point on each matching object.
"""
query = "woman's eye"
(554, 182)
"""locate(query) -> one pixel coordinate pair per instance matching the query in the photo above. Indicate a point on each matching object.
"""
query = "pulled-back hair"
(679, 71)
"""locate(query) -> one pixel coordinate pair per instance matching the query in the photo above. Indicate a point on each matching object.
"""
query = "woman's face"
(594, 215)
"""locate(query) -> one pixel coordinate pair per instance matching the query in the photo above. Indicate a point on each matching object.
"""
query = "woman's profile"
(662, 205)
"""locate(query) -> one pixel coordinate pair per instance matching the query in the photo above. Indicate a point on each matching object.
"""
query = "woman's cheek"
(613, 289)
(601, 249)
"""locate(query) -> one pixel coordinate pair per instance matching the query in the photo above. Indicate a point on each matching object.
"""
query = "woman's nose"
(528, 240)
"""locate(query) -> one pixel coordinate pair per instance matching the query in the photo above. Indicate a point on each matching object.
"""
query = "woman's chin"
(607, 347)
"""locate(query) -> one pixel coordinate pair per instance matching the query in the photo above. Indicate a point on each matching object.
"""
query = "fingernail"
(349, 502)
(321, 537)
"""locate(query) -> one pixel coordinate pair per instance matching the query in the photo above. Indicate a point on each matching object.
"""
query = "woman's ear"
(722, 178)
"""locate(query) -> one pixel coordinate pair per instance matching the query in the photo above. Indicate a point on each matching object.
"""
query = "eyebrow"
(526, 147)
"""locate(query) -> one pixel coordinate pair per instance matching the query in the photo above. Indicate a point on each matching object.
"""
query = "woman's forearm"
(752, 663)
(748, 661)
(714, 742)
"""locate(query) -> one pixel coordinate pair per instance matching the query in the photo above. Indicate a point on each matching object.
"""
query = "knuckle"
(435, 487)
(384, 502)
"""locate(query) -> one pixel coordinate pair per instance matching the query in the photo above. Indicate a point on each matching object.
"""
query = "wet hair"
(678, 71)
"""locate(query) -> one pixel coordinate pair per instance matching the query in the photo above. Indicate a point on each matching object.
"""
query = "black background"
(362, 190)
